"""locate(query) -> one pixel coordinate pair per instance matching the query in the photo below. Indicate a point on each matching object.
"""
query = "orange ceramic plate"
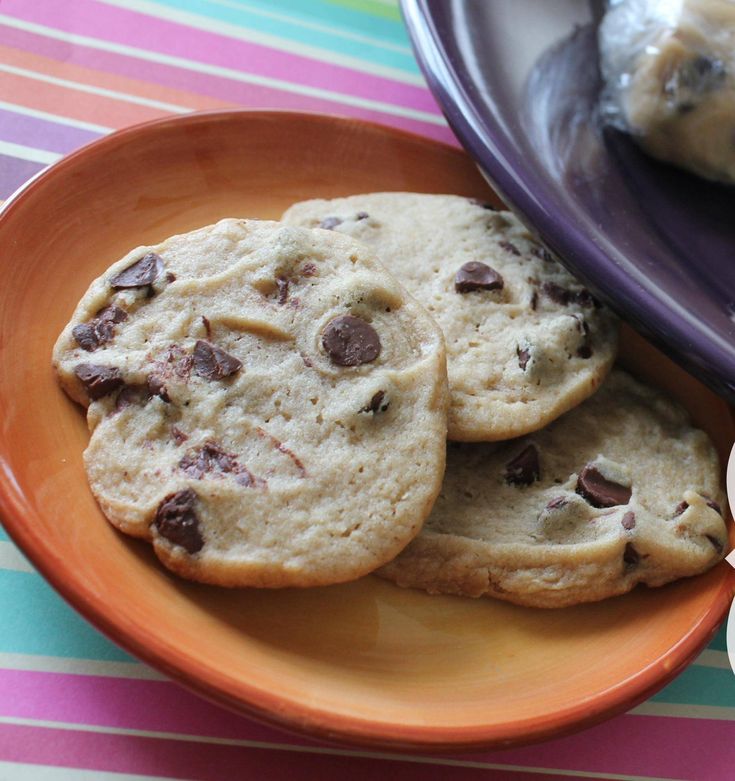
(366, 662)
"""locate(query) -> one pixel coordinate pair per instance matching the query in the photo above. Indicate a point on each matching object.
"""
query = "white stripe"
(28, 153)
(718, 712)
(99, 730)
(58, 664)
(57, 118)
(228, 73)
(108, 93)
(283, 44)
(17, 771)
(10, 557)
(716, 659)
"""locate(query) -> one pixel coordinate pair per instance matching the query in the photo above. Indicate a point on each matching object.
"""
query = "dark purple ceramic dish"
(518, 82)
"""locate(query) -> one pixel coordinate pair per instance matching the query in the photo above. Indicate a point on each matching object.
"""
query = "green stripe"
(391, 12)
(35, 620)
(700, 686)
(719, 642)
(3, 533)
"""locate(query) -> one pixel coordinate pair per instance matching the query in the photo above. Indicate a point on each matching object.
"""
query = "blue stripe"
(700, 686)
(35, 620)
(320, 13)
(3, 534)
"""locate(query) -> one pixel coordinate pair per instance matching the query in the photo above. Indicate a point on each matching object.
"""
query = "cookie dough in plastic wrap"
(669, 72)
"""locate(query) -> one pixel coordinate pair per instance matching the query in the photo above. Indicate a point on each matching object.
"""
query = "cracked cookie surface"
(267, 405)
(622, 490)
(525, 341)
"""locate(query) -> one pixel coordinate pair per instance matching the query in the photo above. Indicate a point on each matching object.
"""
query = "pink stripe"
(235, 92)
(148, 32)
(178, 759)
(634, 745)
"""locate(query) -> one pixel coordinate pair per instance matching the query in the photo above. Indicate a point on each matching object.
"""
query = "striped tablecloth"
(72, 704)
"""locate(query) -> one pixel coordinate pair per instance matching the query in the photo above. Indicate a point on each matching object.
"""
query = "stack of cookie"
(270, 403)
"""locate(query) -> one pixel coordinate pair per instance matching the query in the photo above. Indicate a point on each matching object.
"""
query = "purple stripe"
(119, 25)
(225, 89)
(42, 133)
(634, 745)
(15, 172)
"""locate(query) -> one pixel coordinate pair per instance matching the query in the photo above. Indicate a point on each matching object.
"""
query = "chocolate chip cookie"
(622, 490)
(525, 341)
(267, 404)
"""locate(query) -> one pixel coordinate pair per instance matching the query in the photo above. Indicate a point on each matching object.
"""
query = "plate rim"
(266, 706)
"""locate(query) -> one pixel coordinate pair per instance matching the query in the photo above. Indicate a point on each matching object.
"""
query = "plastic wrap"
(669, 80)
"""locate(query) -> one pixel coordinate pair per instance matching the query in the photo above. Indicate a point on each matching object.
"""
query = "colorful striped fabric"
(72, 704)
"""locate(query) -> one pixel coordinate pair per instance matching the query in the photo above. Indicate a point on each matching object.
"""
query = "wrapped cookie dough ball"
(669, 72)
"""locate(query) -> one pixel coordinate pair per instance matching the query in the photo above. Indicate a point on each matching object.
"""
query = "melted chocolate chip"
(508, 246)
(679, 509)
(477, 276)
(98, 380)
(140, 274)
(207, 326)
(210, 457)
(212, 362)
(308, 270)
(534, 300)
(376, 403)
(282, 283)
(716, 544)
(330, 223)
(557, 503)
(714, 505)
(585, 351)
(599, 491)
(631, 557)
(524, 356)
(131, 394)
(361, 216)
(157, 387)
(628, 521)
(350, 341)
(524, 469)
(100, 330)
(177, 521)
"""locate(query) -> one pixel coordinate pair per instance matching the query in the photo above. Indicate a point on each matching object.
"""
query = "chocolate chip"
(599, 491)
(376, 403)
(534, 300)
(308, 270)
(170, 277)
(212, 362)
(330, 223)
(361, 216)
(177, 521)
(210, 457)
(716, 544)
(141, 273)
(631, 557)
(350, 341)
(207, 326)
(524, 356)
(282, 283)
(179, 436)
(100, 330)
(157, 387)
(131, 394)
(543, 254)
(98, 380)
(565, 297)
(484, 204)
(557, 503)
(585, 351)
(524, 469)
(508, 246)
(679, 509)
(628, 521)
(477, 276)
(714, 505)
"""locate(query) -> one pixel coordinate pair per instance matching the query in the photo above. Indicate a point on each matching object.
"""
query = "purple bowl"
(518, 83)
